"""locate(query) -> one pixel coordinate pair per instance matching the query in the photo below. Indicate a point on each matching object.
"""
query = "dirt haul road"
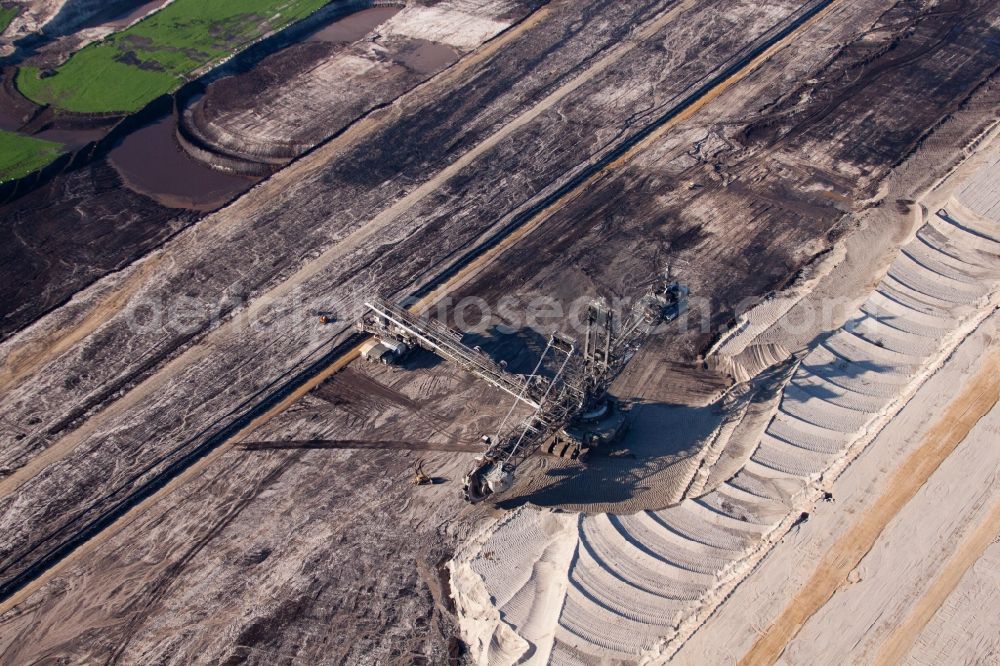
(975, 401)
(460, 201)
(352, 244)
(349, 245)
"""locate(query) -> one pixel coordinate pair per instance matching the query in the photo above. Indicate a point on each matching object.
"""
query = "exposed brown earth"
(481, 178)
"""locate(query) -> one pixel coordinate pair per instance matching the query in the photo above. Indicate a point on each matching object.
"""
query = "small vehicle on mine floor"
(387, 351)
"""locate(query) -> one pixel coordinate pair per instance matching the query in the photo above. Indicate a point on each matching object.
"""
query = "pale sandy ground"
(732, 630)
(554, 587)
(966, 628)
(895, 575)
(884, 614)
(35, 14)
(875, 619)
(458, 23)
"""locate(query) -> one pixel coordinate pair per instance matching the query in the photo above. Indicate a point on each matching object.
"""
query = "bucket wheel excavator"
(571, 410)
(575, 413)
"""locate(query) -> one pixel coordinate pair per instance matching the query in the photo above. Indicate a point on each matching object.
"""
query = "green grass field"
(6, 16)
(20, 155)
(131, 68)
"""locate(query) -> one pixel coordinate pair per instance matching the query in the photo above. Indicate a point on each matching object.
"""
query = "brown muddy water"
(420, 56)
(354, 26)
(427, 57)
(12, 113)
(151, 162)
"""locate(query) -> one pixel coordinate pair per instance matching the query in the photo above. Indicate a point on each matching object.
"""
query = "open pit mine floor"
(776, 157)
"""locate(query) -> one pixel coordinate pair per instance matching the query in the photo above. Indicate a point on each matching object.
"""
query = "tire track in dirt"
(969, 551)
(35, 353)
(976, 400)
(25, 360)
(464, 268)
(174, 570)
(163, 583)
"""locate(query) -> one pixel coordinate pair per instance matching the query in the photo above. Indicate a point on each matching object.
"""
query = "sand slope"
(638, 585)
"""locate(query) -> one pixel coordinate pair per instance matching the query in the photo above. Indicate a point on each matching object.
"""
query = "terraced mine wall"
(206, 151)
(213, 145)
(208, 138)
(95, 222)
(204, 142)
(682, 561)
(122, 126)
(186, 406)
(47, 546)
(58, 544)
